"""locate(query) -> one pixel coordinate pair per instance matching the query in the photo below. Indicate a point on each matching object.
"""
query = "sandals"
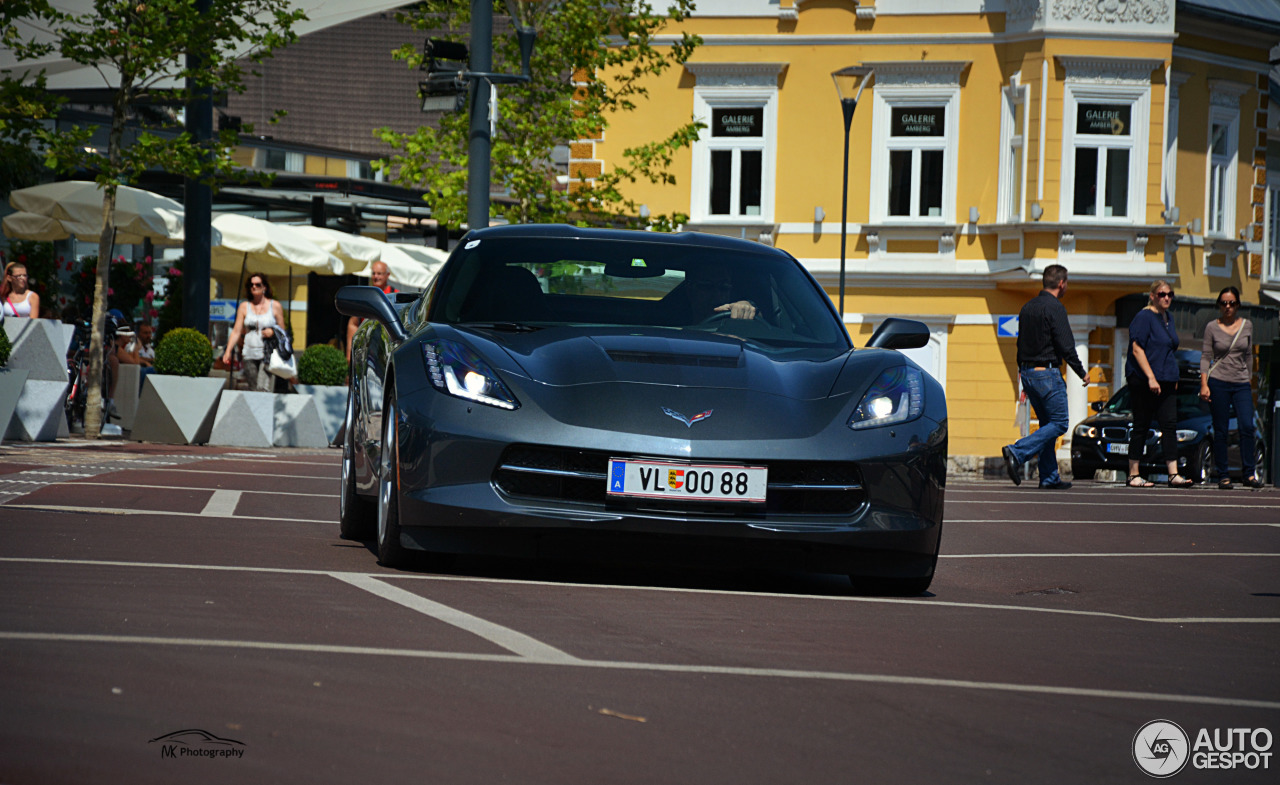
(1253, 482)
(1225, 483)
(1178, 481)
(1137, 481)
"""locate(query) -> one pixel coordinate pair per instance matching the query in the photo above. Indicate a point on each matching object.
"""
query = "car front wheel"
(1200, 466)
(390, 552)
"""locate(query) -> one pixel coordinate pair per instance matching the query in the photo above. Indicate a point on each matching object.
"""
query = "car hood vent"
(694, 360)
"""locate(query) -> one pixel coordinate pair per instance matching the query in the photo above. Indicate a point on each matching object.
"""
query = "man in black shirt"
(1044, 341)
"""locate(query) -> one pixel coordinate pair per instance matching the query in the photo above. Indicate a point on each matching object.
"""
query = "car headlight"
(897, 396)
(1186, 436)
(456, 370)
(1086, 431)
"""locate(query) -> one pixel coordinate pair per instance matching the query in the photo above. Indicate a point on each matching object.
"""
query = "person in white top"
(15, 298)
(256, 319)
(140, 347)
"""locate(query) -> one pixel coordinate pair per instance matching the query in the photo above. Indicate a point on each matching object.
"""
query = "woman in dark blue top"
(1152, 375)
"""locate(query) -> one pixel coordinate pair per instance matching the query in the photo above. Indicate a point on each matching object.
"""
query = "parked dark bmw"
(684, 397)
(1102, 441)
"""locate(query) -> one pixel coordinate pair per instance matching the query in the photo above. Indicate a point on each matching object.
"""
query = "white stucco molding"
(1149, 12)
(736, 74)
(1227, 93)
(918, 73)
(1108, 70)
(863, 10)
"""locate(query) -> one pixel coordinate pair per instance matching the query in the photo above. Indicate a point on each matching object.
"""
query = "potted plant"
(179, 400)
(256, 419)
(322, 374)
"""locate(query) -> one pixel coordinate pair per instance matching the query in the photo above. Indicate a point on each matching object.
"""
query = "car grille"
(1115, 434)
(564, 474)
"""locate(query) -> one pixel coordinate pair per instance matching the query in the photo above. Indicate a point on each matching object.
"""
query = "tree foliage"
(140, 48)
(591, 61)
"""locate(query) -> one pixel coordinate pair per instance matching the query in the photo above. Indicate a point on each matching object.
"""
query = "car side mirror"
(895, 333)
(1097, 405)
(368, 302)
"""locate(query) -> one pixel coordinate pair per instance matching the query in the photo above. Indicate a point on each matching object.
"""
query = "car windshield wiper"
(509, 327)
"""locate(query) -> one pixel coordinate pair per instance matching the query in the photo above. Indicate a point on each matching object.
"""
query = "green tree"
(141, 47)
(591, 60)
(24, 101)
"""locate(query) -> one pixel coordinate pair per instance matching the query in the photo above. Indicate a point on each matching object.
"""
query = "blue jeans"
(1047, 392)
(1223, 397)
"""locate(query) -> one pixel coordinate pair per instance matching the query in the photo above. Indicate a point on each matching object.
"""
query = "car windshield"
(1189, 403)
(521, 283)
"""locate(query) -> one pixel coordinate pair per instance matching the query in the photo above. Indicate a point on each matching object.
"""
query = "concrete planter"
(331, 403)
(11, 383)
(258, 419)
(40, 349)
(176, 409)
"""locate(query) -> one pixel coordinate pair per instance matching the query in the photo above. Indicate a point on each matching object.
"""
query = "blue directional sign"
(1007, 326)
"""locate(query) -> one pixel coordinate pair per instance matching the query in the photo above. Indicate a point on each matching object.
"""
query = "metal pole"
(197, 206)
(478, 148)
(848, 105)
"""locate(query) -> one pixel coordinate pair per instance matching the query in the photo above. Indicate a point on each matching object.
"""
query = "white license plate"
(1118, 449)
(684, 481)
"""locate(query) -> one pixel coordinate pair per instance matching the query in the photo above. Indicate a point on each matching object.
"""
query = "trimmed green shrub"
(5, 348)
(184, 352)
(322, 364)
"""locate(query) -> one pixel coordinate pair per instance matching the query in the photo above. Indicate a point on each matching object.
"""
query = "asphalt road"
(191, 615)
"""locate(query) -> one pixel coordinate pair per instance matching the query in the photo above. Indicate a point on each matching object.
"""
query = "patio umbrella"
(242, 243)
(414, 266)
(355, 251)
(77, 205)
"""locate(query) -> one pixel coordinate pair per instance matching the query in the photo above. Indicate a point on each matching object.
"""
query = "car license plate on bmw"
(1118, 449)
(685, 481)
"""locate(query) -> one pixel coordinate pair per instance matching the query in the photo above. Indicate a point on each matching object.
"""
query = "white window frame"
(1221, 170)
(734, 86)
(904, 85)
(1112, 80)
(1136, 143)
(1012, 197)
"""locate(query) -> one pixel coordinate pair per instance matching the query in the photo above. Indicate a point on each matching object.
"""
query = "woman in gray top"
(1226, 370)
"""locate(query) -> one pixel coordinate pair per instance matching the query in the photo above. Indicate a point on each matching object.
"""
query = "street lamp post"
(849, 84)
(480, 75)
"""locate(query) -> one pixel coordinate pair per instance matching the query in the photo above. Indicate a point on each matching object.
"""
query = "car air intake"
(796, 488)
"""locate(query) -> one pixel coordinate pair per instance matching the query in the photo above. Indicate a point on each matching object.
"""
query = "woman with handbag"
(1226, 373)
(257, 320)
(1152, 375)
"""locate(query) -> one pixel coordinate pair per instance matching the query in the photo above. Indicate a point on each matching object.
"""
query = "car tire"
(1200, 467)
(358, 516)
(390, 552)
(1081, 472)
(1260, 462)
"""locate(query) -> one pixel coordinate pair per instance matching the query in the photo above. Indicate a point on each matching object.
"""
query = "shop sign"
(1107, 119)
(737, 122)
(222, 310)
(918, 120)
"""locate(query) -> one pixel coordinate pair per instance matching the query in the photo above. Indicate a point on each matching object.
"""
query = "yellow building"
(1124, 139)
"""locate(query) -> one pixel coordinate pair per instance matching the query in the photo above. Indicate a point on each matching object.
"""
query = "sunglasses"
(1162, 295)
(1228, 303)
(257, 286)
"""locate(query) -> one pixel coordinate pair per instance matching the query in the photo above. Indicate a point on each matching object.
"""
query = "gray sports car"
(684, 397)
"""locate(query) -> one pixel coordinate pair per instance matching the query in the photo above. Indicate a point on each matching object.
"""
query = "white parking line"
(663, 589)
(169, 513)
(622, 665)
(199, 488)
(222, 504)
(496, 634)
(1105, 523)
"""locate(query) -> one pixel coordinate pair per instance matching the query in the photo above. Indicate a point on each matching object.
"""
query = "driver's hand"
(739, 310)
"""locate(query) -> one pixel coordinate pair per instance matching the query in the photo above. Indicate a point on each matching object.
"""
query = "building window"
(1106, 106)
(1013, 128)
(1103, 153)
(284, 161)
(916, 116)
(1221, 187)
(733, 157)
